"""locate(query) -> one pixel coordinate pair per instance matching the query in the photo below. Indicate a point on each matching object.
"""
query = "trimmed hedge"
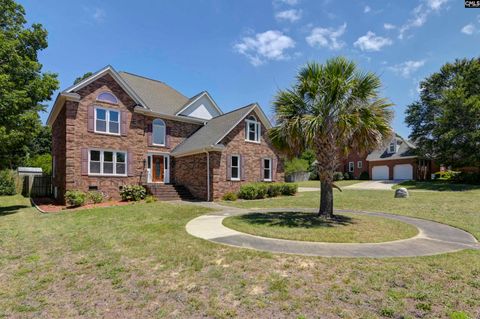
(230, 197)
(262, 190)
(133, 192)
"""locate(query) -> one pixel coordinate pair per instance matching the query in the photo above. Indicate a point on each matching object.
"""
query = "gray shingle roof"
(158, 96)
(404, 148)
(215, 129)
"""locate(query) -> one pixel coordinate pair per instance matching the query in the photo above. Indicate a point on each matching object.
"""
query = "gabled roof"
(209, 136)
(158, 96)
(195, 98)
(405, 149)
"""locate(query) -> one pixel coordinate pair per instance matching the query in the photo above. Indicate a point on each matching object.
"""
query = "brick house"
(395, 161)
(116, 128)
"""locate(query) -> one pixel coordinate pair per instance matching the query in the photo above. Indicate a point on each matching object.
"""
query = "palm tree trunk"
(326, 200)
(327, 164)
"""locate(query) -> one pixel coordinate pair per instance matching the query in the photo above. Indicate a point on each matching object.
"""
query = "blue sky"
(244, 51)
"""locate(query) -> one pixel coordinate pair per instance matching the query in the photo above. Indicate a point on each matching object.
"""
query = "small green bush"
(95, 196)
(337, 176)
(230, 196)
(346, 176)
(133, 192)
(467, 178)
(274, 189)
(7, 182)
(75, 198)
(262, 190)
(289, 189)
(150, 199)
(248, 191)
(446, 175)
(296, 165)
(364, 176)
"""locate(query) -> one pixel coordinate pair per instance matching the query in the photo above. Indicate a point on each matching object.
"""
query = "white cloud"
(406, 68)
(372, 42)
(468, 29)
(269, 45)
(291, 15)
(388, 26)
(327, 37)
(367, 9)
(420, 14)
(289, 2)
(98, 14)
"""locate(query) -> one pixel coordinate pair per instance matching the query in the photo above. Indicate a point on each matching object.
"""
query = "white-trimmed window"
(351, 167)
(392, 147)
(235, 168)
(105, 162)
(267, 169)
(107, 121)
(252, 129)
(359, 164)
(158, 132)
(107, 97)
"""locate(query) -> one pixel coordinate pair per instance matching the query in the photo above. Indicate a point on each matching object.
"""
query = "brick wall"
(59, 153)
(191, 172)
(391, 163)
(355, 158)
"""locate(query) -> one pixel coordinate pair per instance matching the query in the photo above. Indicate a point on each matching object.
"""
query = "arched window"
(252, 129)
(158, 132)
(107, 97)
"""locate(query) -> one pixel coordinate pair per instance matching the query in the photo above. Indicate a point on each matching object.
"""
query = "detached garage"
(403, 171)
(380, 172)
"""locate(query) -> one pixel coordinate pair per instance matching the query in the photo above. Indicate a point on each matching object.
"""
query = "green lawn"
(436, 186)
(338, 183)
(137, 261)
(348, 228)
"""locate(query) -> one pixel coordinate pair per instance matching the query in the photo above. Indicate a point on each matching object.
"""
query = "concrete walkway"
(433, 238)
(373, 185)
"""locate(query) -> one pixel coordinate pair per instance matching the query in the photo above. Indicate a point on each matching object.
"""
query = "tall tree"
(331, 109)
(445, 121)
(80, 78)
(23, 87)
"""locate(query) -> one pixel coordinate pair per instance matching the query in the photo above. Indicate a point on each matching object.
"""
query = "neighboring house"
(116, 128)
(396, 161)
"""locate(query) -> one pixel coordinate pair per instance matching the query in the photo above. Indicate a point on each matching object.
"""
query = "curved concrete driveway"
(433, 238)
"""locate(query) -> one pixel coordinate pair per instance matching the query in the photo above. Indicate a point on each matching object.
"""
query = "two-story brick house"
(116, 128)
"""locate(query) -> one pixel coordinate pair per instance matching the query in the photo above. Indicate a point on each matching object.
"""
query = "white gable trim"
(57, 106)
(204, 93)
(111, 71)
(261, 115)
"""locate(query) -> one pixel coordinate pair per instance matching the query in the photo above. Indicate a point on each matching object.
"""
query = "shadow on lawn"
(295, 219)
(8, 210)
(437, 186)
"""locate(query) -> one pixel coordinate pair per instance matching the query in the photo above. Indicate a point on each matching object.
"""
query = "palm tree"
(331, 109)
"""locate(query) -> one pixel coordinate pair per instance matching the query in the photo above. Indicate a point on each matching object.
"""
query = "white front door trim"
(166, 167)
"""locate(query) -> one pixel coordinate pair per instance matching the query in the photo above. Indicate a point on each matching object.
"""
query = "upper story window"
(107, 97)
(252, 129)
(107, 121)
(392, 148)
(158, 132)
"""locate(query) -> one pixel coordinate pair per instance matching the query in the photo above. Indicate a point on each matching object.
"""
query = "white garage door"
(380, 172)
(403, 171)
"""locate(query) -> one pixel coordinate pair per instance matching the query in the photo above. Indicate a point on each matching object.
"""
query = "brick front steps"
(169, 192)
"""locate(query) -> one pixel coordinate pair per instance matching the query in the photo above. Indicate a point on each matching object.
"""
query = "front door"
(158, 168)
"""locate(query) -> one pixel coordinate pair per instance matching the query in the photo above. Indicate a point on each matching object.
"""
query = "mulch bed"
(48, 205)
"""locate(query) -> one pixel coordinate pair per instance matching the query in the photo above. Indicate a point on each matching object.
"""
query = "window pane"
(95, 167)
(235, 161)
(107, 168)
(120, 168)
(107, 97)
(266, 174)
(159, 134)
(107, 156)
(101, 114)
(234, 172)
(120, 157)
(113, 127)
(266, 163)
(101, 126)
(113, 116)
(95, 155)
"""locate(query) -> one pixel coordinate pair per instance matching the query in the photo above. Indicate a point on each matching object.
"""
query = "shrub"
(133, 192)
(346, 176)
(75, 198)
(337, 176)
(364, 176)
(43, 161)
(446, 175)
(7, 182)
(467, 178)
(289, 189)
(150, 199)
(296, 165)
(230, 196)
(274, 189)
(95, 196)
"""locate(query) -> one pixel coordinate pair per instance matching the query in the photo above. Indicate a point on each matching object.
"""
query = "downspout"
(208, 176)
